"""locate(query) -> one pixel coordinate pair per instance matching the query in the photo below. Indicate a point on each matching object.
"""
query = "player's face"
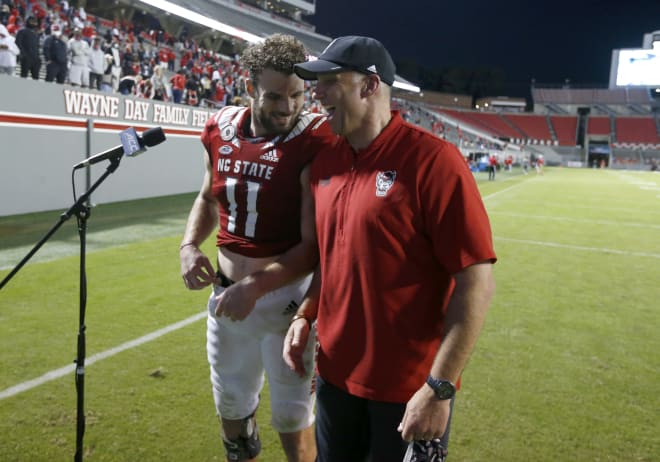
(341, 97)
(277, 102)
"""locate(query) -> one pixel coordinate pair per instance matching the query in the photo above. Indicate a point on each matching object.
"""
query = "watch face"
(443, 389)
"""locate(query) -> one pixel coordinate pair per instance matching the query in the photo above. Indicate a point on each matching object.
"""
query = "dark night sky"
(548, 41)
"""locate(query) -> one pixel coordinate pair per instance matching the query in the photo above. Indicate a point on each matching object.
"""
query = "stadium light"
(203, 20)
(406, 86)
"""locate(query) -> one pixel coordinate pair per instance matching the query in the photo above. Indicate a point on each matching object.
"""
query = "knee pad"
(292, 416)
(247, 445)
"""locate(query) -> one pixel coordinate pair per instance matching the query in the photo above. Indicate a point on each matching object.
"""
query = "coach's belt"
(224, 280)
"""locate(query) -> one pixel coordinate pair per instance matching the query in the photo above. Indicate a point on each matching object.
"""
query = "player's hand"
(196, 269)
(294, 346)
(237, 301)
(425, 417)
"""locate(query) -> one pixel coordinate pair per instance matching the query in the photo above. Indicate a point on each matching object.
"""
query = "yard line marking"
(580, 247)
(491, 195)
(62, 371)
(590, 207)
(578, 220)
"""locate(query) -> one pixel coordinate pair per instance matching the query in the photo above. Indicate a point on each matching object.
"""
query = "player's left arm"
(238, 300)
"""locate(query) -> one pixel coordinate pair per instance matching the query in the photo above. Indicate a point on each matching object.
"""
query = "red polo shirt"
(394, 222)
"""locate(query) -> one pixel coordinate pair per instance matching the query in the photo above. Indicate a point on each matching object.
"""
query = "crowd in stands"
(75, 47)
(54, 41)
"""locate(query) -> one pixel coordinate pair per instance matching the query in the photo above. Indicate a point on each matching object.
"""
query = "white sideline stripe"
(62, 371)
(502, 190)
(580, 247)
(577, 220)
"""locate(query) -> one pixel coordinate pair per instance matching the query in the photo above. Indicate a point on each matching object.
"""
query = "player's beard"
(268, 123)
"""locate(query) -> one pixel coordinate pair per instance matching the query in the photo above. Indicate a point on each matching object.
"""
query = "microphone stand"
(82, 211)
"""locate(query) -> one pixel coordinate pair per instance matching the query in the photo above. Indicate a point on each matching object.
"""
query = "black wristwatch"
(443, 389)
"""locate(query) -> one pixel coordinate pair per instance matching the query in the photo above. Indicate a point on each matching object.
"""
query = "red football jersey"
(257, 180)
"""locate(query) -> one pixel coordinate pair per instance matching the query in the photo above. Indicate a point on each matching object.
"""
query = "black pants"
(95, 80)
(31, 67)
(353, 429)
(55, 71)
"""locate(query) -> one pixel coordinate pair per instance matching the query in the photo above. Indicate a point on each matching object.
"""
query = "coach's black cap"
(355, 53)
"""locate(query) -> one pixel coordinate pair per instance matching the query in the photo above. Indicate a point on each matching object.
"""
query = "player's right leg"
(237, 377)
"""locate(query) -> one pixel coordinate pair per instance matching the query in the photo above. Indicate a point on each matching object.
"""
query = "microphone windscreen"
(153, 136)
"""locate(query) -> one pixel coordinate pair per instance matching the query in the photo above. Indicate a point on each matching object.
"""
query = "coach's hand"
(196, 269)
(426, 417)
(294, 345)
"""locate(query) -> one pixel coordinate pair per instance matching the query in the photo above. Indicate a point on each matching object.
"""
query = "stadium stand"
(563, 122)
(636, 130)
(598, 125)
(532, 126)
(565, 128)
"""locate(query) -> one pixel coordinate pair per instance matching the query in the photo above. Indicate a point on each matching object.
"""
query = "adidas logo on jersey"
(270, 156)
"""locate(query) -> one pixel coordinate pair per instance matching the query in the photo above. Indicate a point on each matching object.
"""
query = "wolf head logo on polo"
(384, 181)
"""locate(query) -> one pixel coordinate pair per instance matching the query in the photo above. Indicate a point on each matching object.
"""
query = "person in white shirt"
(97, 64)
(8, 52)
(79, 52)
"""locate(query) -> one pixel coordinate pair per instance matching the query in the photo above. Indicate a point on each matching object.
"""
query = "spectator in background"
(107, 78)
(160, 84)
(89, 32)
(492, 167)
(8, 52)
(127, 61)
(178, 82)
(79, 52)
(205, 86)
(191, 92)
(145, 89)
(27, 39)
(5, 13)
(171, 59)
(55, 55)
(508, 162)
(219, 93)
(97, 64)
(116, 63)
(539, 164)
(163, 56)
(14, 23)
(64, 5)
(128, 84)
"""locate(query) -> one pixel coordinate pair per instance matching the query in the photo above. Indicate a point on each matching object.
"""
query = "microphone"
(131, 145)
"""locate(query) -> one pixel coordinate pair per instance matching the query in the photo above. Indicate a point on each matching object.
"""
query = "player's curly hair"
(278, 52)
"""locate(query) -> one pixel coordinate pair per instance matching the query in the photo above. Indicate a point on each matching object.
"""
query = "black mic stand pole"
(82, 211)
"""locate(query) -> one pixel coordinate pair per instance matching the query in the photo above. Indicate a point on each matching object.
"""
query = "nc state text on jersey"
(247, 168)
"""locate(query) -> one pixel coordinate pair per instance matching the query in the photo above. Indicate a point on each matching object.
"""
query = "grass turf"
(567, 366)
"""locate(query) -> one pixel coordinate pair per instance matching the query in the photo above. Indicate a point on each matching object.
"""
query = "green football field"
(567, 367)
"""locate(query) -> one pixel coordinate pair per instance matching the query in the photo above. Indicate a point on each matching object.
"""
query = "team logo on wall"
(384, 181)
(226, 149)
(227, 132)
